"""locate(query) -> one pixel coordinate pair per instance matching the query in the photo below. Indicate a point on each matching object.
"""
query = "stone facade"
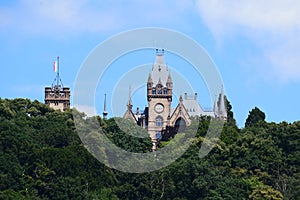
(159, 115)
(56, 98)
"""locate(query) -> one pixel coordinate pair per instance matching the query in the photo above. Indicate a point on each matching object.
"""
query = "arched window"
(153, 91)
(180, 124)
(159, 121)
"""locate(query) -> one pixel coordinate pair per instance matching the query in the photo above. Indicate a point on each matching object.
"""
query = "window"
(159, 91)
(158, 135)
(153, 91)
(165, 91)
(159, 121)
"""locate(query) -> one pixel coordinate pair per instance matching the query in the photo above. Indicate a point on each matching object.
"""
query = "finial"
(180, 98)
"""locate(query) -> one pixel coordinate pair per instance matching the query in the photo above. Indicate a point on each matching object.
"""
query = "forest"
(42, 157)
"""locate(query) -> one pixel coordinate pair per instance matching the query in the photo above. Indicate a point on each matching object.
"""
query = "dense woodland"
(42, 157)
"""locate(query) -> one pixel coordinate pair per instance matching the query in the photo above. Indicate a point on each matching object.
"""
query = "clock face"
(159, 108)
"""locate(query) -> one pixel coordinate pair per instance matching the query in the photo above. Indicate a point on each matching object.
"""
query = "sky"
(254, 44)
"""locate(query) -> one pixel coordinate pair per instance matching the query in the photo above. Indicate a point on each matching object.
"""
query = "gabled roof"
(129, 115)
(180, 111)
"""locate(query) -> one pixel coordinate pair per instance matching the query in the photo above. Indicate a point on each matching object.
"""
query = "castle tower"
(57, 96)
(159, 95)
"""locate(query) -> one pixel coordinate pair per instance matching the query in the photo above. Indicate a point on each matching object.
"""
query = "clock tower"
(159, 95)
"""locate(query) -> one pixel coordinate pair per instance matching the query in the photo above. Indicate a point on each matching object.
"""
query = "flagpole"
(57, 75)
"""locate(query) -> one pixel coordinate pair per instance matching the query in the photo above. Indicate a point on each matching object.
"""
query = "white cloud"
(56, 17)
(273, 26)
(269, 15)
(63, 18)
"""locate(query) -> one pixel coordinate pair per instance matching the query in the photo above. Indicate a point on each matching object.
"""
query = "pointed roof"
(160, 69)
(129, 114)
(180, 111)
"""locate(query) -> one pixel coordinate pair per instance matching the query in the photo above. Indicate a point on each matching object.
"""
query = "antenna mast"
(57, 83)
(57, 73)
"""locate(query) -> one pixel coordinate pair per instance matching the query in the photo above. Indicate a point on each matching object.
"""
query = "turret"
(149, 82)
(169, 82)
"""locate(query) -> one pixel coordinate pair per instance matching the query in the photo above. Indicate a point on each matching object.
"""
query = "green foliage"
(265, 192)
(42, 157)
(255, 116)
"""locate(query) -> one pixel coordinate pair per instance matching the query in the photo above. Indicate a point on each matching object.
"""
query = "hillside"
(42, 157)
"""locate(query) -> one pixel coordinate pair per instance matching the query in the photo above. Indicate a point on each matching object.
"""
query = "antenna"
(57, 73)
(57, 83)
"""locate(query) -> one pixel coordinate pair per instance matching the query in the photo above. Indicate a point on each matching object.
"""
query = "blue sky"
(255, 45)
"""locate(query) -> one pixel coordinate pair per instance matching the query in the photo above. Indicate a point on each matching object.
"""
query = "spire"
(104, 109)
(169, 80)
(129, 104)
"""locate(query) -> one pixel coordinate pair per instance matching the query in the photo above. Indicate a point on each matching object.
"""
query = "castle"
(159, 115)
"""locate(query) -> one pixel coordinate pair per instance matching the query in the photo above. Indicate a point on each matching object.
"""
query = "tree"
(265, 192)
(255, 116)
(230, 118)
